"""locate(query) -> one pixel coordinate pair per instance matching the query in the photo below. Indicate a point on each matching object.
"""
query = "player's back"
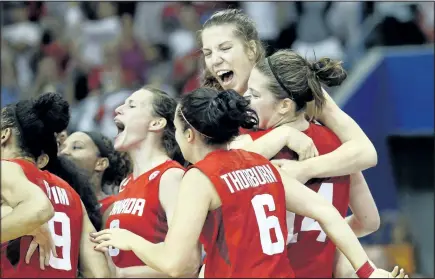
(245, 236)
(310, 252)
(65, 226)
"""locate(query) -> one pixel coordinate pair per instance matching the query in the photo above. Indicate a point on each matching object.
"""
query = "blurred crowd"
(97, 53)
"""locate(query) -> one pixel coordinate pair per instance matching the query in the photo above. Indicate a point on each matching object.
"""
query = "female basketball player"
(231, 48)
(280, 88)
(94, 153)
(28, 131)
(146, 200)
(245, 196)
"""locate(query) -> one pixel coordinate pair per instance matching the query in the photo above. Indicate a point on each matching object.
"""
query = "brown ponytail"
(292, 76)
(326, 71)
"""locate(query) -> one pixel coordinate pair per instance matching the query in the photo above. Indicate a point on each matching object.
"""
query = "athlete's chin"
(231, 84)
(239, 87)
(120, 143)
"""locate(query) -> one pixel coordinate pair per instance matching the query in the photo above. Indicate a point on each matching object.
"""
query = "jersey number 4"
(308, 224)
(266, 224)
(63, 240)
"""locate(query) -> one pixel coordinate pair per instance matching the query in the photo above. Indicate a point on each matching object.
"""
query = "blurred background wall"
(97, 53)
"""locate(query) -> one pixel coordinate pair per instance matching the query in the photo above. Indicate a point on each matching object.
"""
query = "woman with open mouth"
(231, 49)
(146, 199)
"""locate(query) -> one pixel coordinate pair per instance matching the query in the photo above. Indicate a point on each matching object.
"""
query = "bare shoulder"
(195, 174)
(196, 180)
(169, 186)
(172, 174)
(13, 170)
(171, 178)
(11, 166)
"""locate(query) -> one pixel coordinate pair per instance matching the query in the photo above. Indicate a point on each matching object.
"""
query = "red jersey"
(137, 208)
(246, 235)
(106, 203)
(66, 228)
(310, 252)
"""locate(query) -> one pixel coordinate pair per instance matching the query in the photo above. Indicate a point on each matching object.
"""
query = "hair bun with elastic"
(329, 72)
(53, 111)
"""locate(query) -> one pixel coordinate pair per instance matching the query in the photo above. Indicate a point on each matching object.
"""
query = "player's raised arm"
(93, 264)
(180, 253)
(303, 201)
(31, 207)
(365, 218)
(357, 153)
(272, 142)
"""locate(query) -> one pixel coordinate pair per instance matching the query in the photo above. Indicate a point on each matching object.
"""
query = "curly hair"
(119, 162)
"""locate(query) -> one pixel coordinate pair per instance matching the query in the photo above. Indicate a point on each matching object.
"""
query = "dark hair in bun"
(218, 116)
(35, 123)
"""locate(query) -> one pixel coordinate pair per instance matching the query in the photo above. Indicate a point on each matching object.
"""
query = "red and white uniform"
(246, 235)
(66, 227)
(310, 252)
(137, 208)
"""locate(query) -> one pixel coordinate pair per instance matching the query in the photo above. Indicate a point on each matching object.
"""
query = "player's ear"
(102, 164)
(284, 106)
(6, 134)
(42, 161)
(189, 134)
(157, 124)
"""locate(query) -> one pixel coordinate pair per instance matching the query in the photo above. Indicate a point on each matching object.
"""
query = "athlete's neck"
(146, 156)
(97, 180)
(202, 151)
(296, 121)
(15, 153)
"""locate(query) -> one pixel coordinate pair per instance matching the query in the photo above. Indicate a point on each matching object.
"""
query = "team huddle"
(214, 184)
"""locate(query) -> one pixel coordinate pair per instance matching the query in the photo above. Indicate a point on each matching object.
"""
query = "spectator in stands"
(9, 92)
(48, 78)
(23, 37)
(135, 54)
(400, 24)
(426, 19)
(94, 34)
(182, 40)
(313, 35)
(265, 16)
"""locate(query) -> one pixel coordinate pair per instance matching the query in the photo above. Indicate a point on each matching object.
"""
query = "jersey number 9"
(63, 240)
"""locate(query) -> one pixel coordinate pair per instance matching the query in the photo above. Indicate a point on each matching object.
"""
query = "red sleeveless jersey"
(137, 208)
(66, 227)
(246, 235)
(311, 252)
